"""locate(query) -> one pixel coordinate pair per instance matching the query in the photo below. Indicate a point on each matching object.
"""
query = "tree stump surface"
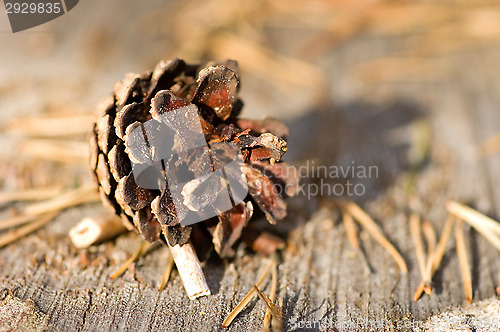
(322, 282)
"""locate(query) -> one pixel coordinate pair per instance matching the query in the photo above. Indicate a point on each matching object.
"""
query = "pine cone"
(143, 104)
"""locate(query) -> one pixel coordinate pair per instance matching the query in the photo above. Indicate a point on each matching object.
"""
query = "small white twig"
(190, 270)
(94, 230)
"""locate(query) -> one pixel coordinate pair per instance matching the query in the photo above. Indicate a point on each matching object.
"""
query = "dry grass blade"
(72, 198)
(28, 194)
(73, 152)
(144, 246)
(272, 295)
(430, 238)
(166, 274)
(350, 229)
(415, 231)
(232, 315)
(16, 221)
(371, 227)
(466, 213)
(435, 255)
(277, 314)
(484, 225)
(491, 146)
(84, 194)
(352, 236)
(18, 233)
(498, 284)
(52, 126)
(419, 291)
(464, 263)
(441, 246)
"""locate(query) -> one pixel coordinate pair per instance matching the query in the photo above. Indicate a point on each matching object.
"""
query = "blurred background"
(296, 57)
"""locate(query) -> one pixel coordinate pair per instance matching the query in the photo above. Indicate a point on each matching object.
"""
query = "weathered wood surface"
(320, 277)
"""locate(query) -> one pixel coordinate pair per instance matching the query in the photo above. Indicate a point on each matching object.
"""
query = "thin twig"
(84, 194)
(419, 291)
(371, 227)
(144, 246)
(416, 234)
(277, 315)
(28, 194)
(272, 295)
(466, 213)
(92, 230)
(486, 226)
(352, 236)
(350, 229)
(55, 150)
(430, 238)
(434, 259)
(248, 297)
(18, 233)
(79, 196)
(441, 246)
(190, 271)
(16, 221)
(415, 231)
(464, 263)
(498, 284)
(51, 126)
(491, 146)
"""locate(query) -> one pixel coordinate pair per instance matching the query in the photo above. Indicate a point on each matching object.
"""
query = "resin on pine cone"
(211, 92)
